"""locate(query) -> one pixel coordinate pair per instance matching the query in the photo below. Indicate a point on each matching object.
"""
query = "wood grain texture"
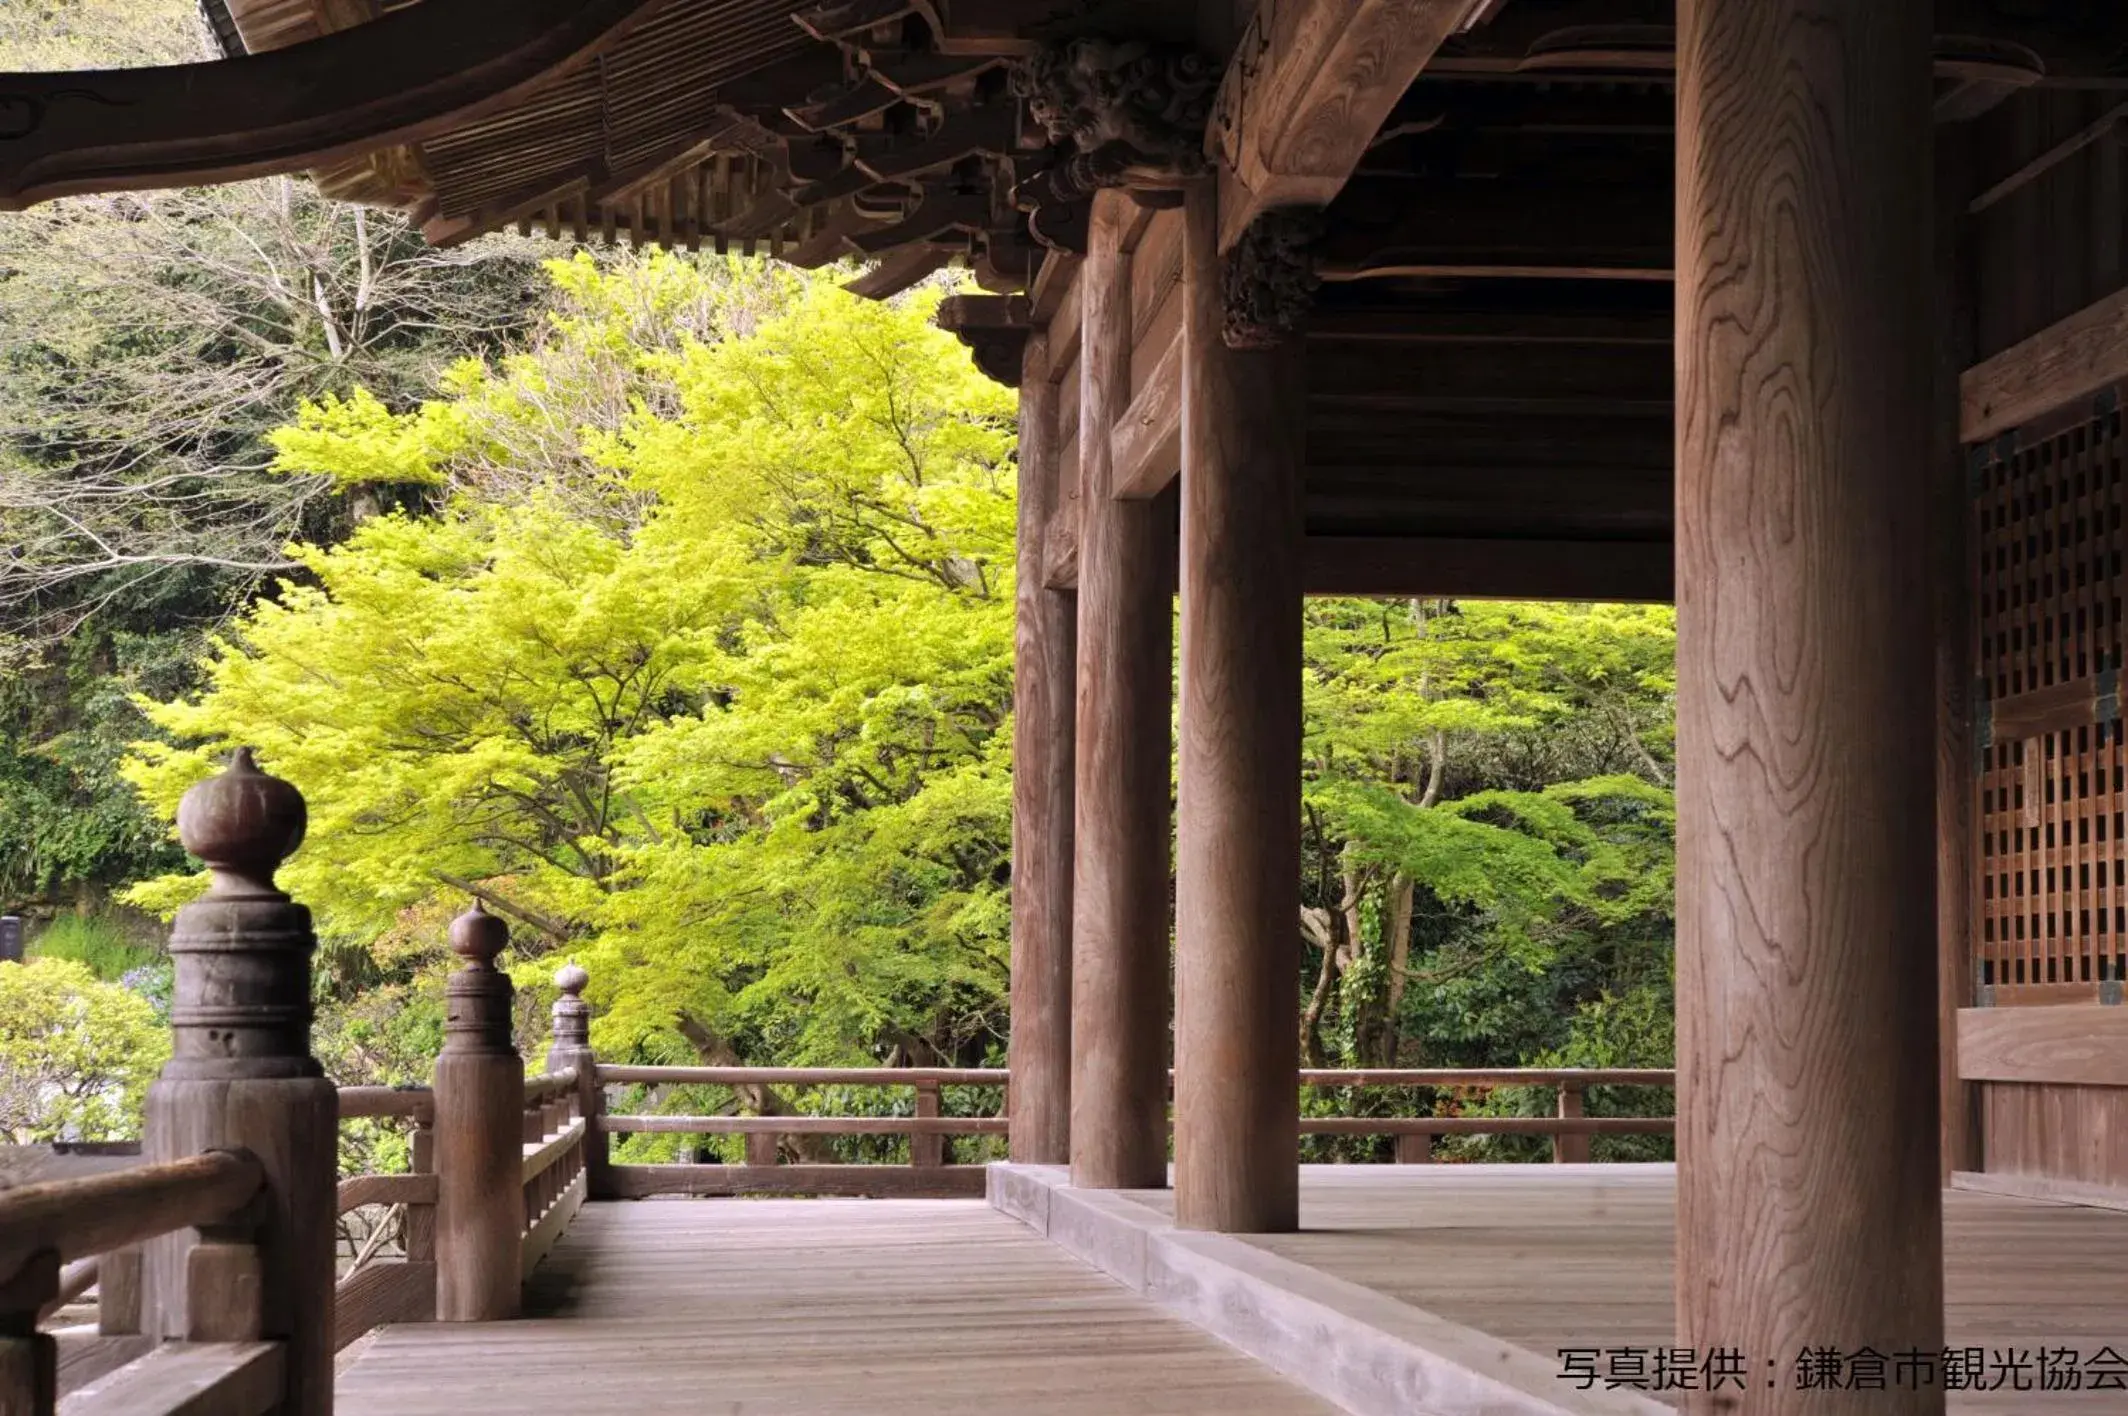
(1044, 669)
(815, 1308)
(1548, 1257)
(1808, 1214)
(85, 1216)
(2048, 1130)
(386, 1292)
(480, 1216)
(1146, 446)
(405, 76)
(188, 1379)
(636, 1182)
(1307, 89)
(292, 1126)
(1237, 848)
(1950, 507)
(1119, 989)
(2070, 359)
(2075, 1044)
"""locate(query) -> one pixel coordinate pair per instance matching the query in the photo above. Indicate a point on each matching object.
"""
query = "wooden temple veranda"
(1809, 314)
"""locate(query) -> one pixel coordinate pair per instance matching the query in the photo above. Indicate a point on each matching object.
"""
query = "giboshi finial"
(479, 937)
(243, 823)
(571, 978)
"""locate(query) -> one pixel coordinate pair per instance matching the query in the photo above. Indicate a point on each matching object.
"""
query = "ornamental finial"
(479, 937)
(243, 824)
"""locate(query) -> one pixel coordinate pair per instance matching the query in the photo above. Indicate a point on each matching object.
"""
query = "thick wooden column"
(241, 1077)
(480, 1109)
(1119, 947)
(1043, 674)
(1809, 1213)
(1237, 859)
(1951, 540)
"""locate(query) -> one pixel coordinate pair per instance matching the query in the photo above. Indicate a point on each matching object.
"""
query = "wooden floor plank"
(814, 1308)
(1553, 1257)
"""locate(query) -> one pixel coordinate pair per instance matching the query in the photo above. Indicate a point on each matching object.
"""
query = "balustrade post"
(1414, 1148)
(927, 1151)
(571, 1047)
(421, 1219)
(241, 1076)
(480, 1106)
(1570, 1149)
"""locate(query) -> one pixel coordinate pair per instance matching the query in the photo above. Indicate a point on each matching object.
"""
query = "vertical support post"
(1119, 975)
(1951, 536)
(421, 1219)
(1237, 887)
(571, 1047)
(1809, 1209)
(480, 1111)
(1045, 638)
(927, 1151)
(1414, 1149)
(29, 1359)
(1570, 1149)
(241, 1076)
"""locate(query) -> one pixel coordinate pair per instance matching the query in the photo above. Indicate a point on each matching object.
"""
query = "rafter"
(400, 78)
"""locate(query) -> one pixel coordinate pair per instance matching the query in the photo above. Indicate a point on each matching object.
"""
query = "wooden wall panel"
(2078, 1134)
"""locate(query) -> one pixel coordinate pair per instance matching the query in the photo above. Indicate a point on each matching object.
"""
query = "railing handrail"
(413, 1103)
(548, 1085)
(80, 1218)
(810, 1125)
(1488, 1076)
(622, 1074)
(613, 1074)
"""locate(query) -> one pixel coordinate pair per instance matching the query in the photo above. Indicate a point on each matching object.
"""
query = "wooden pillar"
(1571, 1149)
(1119, 971)
(241, 1076)
(1237, 884)
(1809, 1211)
(1951, 537)
(571, 1047)
(1043, 675)
(480, 1111)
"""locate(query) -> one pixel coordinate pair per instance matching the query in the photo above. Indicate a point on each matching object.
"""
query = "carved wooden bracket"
(1122, 112)
(995, 329)
(1269, 279)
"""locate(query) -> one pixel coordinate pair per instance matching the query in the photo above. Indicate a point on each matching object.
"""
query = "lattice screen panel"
(2052, 915)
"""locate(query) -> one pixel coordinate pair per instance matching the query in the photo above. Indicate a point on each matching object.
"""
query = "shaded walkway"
(759, 1308)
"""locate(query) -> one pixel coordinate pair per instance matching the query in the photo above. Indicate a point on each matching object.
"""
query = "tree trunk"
(761, 1099)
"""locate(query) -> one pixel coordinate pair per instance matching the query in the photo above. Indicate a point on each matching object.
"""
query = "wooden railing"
(218, 1361)
(928, 1173)
(554, 1177)
(375, 1290)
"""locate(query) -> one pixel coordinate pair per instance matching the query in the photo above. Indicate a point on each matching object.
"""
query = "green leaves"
(704, 669)
(76, 1054)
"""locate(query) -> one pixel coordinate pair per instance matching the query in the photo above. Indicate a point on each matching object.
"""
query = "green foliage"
(714, 693)
(76, 1054)
(95, 942)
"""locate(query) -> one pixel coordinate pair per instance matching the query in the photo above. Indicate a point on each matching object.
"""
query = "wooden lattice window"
(2052, 912)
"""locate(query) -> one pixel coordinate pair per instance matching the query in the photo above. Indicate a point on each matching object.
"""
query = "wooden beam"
(1500, 229)
(1305, 93)
(407, 75)
(2067, 360)
(1146, 445)
(2068, 1045)
(1458, 567)
(1806, 1001)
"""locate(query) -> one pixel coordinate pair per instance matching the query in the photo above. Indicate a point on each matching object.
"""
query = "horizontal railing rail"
(554, 1178)
(59, 1236)
(374, 1289)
